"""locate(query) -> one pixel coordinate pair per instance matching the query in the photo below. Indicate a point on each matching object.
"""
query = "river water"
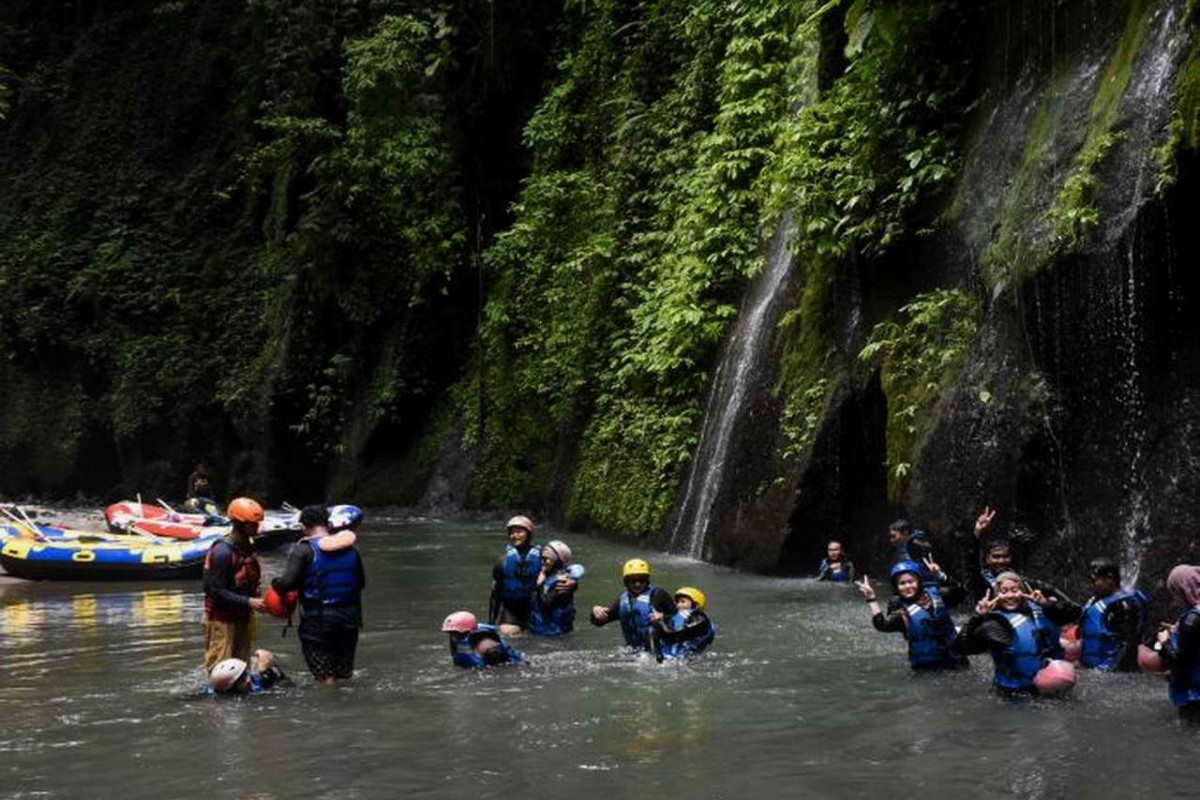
(801, 698)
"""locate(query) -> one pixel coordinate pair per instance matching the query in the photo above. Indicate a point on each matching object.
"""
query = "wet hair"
(901, 525)
(314, 517)
(495, 656)
(1104, 567)
(999, 544)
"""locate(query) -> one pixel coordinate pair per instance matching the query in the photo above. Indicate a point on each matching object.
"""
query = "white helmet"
(226, 674)
(560, 550)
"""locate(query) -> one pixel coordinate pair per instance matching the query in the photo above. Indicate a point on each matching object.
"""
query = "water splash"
(742, 363)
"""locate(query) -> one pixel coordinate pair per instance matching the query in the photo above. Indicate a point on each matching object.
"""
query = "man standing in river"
(231, 577)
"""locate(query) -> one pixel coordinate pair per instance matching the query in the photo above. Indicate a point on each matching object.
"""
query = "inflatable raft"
(57, 555)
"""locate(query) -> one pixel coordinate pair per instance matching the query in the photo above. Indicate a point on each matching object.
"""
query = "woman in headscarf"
(1180, 644)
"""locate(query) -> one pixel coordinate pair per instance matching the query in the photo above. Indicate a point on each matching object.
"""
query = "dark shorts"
(514, 613)
(328, 639)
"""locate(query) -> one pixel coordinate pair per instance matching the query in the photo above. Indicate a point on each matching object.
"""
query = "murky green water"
(801, 698)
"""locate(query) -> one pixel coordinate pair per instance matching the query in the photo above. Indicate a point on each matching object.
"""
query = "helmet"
(693, 594)
(635, 566)
(459, 622)
(226, 674)
(521, 522)
(342, 517)
(1056, 677)
(901, 567)
(1149, 660)
(243, 509)
(280, 605)
(560, 550)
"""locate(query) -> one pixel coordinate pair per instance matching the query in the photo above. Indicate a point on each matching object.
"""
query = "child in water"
(553, 612)
(689, 632)
(475, 645)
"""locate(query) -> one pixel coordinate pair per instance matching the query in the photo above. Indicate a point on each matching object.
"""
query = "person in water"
(635, 605)
(236, 676)
(688, 631)
(920, 615)
(326, 569)
(553, 612)
(986, 558)
(1019, 626)
(514, 579)
(1113, 622)
(1179, 644)
(473, 645)
(835, 567)
(231, 586)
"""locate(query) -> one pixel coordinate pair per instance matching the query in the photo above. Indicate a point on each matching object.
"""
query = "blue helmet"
(901, 567)
(343, 517)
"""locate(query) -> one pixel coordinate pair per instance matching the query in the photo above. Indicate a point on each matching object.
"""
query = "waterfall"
(1149, 94)
(741, 364)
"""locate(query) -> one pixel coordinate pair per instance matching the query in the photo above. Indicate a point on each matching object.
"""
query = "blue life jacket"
(332, 578)
(690, 647)
(930, 633)
(464, 648)
(552, 619)
(1035, 639)
(635, 618)
(520, 573)
(1186, 691)
(839, 575)
(1102, 647)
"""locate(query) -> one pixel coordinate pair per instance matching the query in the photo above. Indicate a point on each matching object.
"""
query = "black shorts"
(328, 639)
(514, 613)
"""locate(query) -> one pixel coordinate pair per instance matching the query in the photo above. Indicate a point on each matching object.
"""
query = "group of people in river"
(1033, 632)
(533, 592)
(323, 575)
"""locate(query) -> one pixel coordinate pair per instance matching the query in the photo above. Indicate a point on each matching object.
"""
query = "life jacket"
(1102, 647)
(520, 573)
(635, 618)
(930, 634)
(836, 571)
(1184, 690)
(332, 578)
(552, 619)
(464, 648)
(690, 647)
(247, 573)
(1035, 639)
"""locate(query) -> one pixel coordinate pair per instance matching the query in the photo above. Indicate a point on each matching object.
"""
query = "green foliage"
(920, 355)
(5, 92)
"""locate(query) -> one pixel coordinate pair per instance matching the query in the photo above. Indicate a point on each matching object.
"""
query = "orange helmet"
(243, 509)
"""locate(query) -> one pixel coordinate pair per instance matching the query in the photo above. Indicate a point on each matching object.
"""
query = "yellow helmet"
(635, 566)
(693, 594)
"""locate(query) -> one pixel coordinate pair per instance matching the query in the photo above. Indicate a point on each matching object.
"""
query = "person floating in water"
(835, 567)
(473, 645)
(919, 614)
(553, 612)
(235, 676)
(688, 631)
(1113, 622)
(1019, 627)
(514, 579)
(1179, 644)
(635, 605)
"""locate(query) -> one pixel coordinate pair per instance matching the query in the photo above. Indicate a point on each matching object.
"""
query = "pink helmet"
(1056, 677)
(226, 674)
(521, 522)
(459, 622)
(561, 552)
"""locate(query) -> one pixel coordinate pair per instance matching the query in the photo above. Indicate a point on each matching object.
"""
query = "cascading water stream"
(1149, 94)
(742, 362)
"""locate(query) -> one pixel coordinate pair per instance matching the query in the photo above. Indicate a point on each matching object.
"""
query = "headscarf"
(1184, 581)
